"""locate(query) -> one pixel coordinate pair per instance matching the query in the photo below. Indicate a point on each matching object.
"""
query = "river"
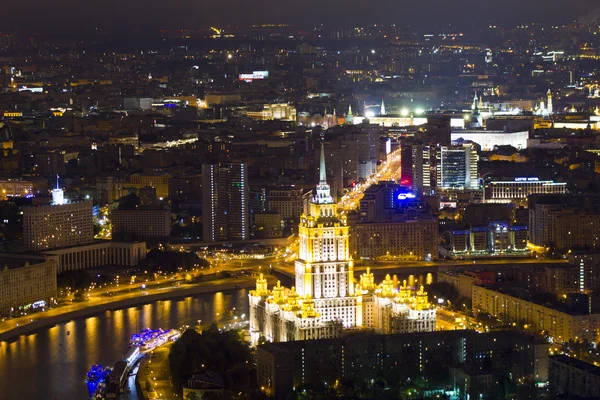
(52, 362)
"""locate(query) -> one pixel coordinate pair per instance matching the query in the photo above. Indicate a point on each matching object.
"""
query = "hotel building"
(518, 189)
(325, 298)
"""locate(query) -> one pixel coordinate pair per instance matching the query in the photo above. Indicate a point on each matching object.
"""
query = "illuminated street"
(98, 300)
(388, 171)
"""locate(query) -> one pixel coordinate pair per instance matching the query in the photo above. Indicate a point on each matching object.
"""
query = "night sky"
(139, 14)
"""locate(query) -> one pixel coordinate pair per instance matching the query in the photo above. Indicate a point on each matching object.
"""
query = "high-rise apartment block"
(225, 208)
(418, 167)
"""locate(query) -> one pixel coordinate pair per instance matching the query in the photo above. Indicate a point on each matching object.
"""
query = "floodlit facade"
(490, 139)
(325, 299)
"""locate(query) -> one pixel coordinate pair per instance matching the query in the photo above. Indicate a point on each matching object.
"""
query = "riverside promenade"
(12, 328)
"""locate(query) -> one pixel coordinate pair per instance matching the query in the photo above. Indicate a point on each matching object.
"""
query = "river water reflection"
(52, 363)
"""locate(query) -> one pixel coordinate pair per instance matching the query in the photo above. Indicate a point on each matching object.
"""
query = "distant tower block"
(549, 107)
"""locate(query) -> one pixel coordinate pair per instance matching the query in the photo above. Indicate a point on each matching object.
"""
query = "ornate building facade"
(326, 298)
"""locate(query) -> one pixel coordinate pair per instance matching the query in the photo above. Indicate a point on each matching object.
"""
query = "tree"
(222, 352)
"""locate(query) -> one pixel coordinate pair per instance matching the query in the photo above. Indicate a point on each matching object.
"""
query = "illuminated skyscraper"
(457, 167)
(326, 298)
(225, 202)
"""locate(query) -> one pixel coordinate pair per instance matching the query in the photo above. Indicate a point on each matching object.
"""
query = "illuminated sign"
(39, 304)
(255, 75)
(31, 89)
(527, 179)
(404, 196)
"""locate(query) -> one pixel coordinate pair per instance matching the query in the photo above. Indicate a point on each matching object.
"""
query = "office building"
(495, 238)
(225, 197)
(325, 300)
(61, 224)
(517, 190)
(26, 283)
(457, 167)
(141, 223)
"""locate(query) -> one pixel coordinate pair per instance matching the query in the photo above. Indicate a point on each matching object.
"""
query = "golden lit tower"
(324, 270)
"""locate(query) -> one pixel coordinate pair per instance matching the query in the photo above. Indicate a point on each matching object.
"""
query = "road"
(287, 268)
(388, 171)
(153, 374)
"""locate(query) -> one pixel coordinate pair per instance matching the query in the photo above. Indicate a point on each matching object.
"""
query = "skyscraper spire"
(323, 190)
(475, 104)
(382, 112)
(322, 170)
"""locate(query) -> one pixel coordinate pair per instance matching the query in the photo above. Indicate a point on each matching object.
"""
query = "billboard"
(255, 75)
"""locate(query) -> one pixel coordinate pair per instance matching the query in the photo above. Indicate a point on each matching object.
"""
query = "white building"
(58, 225)
(518, 189)
(489, 139)
(100, 253)
(325, 298)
